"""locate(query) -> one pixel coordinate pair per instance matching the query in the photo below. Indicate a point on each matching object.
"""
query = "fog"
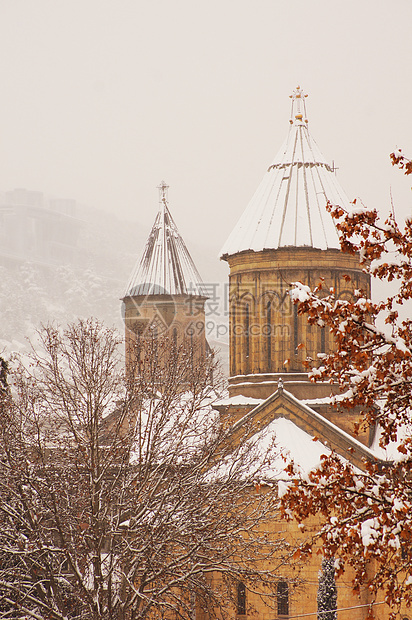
(101, 100)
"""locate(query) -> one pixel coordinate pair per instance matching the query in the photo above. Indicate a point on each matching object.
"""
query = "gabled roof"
(313, 427)
(288, 208)
(166, 266)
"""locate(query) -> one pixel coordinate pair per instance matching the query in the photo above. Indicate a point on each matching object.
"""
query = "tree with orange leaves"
(367, 516)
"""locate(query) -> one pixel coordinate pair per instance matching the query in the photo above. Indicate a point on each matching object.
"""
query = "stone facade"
(180, 318)
(265, 329)
(269, 341)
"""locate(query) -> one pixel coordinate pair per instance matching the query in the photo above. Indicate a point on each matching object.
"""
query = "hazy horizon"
(102, 100)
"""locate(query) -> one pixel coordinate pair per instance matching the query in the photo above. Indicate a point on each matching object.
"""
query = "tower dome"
(288, 208)
(166, 267)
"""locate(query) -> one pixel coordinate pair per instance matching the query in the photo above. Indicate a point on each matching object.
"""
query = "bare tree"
(120, 494)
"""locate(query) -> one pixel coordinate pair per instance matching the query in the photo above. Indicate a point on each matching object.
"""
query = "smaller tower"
(165, 296)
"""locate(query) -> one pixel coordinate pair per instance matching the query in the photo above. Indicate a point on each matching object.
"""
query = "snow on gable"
(267, 453)
(292, 444)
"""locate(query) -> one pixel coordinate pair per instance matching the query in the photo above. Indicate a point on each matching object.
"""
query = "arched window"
(247, 329)
(234, 332)
(175, 337)
(283, 598)
(269, 333)
(322, 340)
(241, 599)
(295, 329)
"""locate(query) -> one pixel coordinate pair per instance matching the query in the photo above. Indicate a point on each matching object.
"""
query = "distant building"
(37, 229)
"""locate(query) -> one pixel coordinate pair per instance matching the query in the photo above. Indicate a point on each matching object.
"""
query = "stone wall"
(266, 333)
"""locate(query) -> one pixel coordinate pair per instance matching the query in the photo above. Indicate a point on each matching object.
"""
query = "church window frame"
(295, 329)
(322, 340)
(247, 330)
(269, 333)
(282, 598)
(241, 599)
(234, 337)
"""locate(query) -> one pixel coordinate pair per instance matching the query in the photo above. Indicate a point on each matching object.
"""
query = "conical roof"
(288, 208)
(166, 266)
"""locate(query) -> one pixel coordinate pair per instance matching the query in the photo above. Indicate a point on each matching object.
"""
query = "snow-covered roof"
(292, 444)
(317, 428)
(239, 400)
(165, 266)
(288, 208)
(266, 453)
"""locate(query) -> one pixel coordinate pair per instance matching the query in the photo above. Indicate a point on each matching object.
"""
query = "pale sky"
(102, 99)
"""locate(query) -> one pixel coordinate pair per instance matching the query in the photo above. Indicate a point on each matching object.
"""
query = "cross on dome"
(162, 191)
(298, 99)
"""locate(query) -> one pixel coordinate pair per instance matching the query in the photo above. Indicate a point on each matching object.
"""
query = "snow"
(312, 402)
(391, 452)
(293, 444)
(401, 346)
(358, 210)
(300, 292)
(288, 208)
(239, 400)
(269, 451)
(351, 440)
(370, 531)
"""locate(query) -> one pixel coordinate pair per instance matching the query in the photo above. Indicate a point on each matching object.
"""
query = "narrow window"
(247, 321)
(404, 552)
(322, 340)
(175, 337)
(241, 599)
(234, 332)
(154, 334)
(283, 598)
(269, 333)
(295, 329)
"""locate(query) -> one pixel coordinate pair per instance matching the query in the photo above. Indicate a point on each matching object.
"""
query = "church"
(285, 235)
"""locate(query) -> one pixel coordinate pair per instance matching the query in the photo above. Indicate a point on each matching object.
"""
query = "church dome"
(166, 267)
(288, 208)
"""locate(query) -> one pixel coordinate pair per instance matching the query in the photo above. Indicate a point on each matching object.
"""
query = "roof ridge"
(357, 450)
